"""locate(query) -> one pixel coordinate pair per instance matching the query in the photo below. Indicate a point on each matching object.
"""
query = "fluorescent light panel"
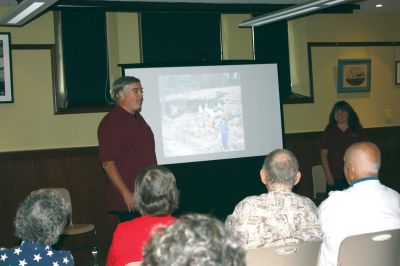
(25, 11)
(289, 12)
(334, 2)
(276, 18)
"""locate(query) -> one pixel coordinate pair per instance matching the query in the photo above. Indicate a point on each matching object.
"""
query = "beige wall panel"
(128, 38)
(236, 42)
(112, 46)
(29, 123)
(298, 58)
(358, 27)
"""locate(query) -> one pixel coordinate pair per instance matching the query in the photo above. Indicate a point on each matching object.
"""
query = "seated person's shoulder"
(252, 200)
(334, 198)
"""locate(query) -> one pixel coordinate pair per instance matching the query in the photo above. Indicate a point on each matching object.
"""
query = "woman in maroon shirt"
(156, 197)
(344, 128)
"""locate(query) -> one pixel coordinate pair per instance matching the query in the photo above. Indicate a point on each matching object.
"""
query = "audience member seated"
(39, 221)
(155, 197)
(366, 206)
(194, 239)
(279, 217)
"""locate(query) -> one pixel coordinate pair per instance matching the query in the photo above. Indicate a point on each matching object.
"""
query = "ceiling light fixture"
(25, 11)
(289, 12)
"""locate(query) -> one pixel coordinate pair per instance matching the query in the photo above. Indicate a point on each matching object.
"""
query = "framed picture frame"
(354, 75)
(6, 87)
(397, 74)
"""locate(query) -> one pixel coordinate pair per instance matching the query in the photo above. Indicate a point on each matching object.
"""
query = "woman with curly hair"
(344, 128)
(194, 239)
(39, 221)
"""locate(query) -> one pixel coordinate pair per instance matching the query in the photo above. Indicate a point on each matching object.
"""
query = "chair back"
(302, 254)
(379, 248)
(319, 180)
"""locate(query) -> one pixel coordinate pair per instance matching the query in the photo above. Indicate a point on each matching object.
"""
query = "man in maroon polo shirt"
(126, 145)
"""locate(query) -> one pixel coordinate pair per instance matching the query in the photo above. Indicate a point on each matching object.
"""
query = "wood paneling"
(76, 169)
(306, 146)
(79, 170)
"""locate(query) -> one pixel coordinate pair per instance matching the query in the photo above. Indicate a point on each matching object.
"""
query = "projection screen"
(211, 112)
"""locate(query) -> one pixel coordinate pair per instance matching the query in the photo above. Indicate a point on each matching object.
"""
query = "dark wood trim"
(48, 153)
(368, 131)
(80, 110)
(295, 98)
(32, 46)
(79, 170)
(347, 44)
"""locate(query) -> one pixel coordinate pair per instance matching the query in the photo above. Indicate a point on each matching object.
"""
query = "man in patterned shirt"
(279, 217)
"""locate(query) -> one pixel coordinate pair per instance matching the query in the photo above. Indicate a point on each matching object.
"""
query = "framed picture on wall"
(354, 75)
(6, 89)
(397, 75)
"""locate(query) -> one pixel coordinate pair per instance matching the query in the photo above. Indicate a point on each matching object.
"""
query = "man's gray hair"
(193, 239)
(120, 84)
(281, 167)
(156, 193)
(41, 217)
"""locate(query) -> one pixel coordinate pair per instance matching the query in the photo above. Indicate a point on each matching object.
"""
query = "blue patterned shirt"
(28, 254)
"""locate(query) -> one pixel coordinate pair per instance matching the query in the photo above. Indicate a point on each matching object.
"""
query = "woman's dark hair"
(354, 121)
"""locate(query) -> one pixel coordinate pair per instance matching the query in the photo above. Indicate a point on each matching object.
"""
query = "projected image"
(201, 113)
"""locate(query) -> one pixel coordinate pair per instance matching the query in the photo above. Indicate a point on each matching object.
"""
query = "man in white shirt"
(366, 206)
(279, 217)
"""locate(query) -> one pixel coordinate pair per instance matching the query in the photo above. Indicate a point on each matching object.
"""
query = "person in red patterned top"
(156, 197)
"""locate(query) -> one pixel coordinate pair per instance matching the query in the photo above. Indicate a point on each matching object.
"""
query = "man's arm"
(325, 164)
(115, 178)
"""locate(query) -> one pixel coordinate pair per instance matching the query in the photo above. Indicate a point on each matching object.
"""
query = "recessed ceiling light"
(379, 5)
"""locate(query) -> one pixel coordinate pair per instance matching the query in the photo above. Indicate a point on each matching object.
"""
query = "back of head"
(120, 84)
(362, 159)
(193, 239)
(156, 193)
(41, 217)
(281, 168)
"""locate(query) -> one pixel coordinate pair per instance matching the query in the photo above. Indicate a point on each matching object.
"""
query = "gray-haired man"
(279, 217)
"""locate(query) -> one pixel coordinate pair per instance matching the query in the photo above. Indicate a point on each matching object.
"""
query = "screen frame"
(212, 63)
